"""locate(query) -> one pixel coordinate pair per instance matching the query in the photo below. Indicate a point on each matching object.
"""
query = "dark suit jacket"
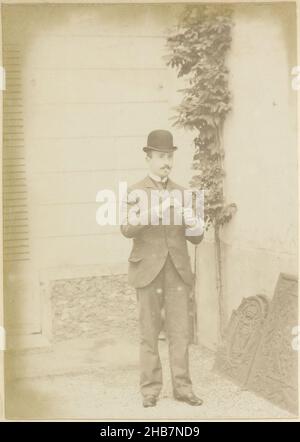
(152, 243)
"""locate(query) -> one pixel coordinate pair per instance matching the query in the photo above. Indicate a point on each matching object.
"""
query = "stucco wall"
(261, 165)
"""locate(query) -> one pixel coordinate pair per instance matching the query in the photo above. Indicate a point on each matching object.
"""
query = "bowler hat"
(161, 140)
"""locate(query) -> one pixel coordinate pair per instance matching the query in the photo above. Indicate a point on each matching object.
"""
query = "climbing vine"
(197, 50)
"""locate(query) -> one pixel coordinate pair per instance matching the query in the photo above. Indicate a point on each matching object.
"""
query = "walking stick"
(194, 301)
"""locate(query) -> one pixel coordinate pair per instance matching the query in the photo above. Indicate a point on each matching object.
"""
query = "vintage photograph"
(149, 211)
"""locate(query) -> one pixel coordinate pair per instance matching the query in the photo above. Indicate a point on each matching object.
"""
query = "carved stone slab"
(235, 356)
(274, 373)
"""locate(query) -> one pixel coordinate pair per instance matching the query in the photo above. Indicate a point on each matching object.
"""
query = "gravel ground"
(91, 370)
(101, 382)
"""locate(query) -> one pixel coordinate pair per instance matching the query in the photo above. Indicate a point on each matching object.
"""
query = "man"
(160, 270)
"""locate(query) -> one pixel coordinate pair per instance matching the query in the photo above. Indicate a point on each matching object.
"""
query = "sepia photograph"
(149, 211)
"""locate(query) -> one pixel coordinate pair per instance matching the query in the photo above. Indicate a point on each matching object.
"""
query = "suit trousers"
(170, 292)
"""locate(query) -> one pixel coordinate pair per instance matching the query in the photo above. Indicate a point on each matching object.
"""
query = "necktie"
(160, 184)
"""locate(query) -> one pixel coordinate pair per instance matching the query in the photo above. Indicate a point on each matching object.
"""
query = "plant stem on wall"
(198, 51)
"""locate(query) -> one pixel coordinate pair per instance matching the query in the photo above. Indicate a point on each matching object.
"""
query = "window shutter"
(15, 198)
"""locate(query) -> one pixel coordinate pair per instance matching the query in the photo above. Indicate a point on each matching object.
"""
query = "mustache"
(166, 167)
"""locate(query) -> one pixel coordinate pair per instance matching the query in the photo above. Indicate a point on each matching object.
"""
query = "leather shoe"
(149, 401)
(190, 399)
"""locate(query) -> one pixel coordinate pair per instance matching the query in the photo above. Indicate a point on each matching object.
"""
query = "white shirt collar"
(158, 178)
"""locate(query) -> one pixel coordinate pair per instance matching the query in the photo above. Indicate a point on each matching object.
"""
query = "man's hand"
(194, 225)
(157, 212)
(188, 217)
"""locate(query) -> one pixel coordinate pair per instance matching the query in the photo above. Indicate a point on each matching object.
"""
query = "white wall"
(261, 165)
(94, 84)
